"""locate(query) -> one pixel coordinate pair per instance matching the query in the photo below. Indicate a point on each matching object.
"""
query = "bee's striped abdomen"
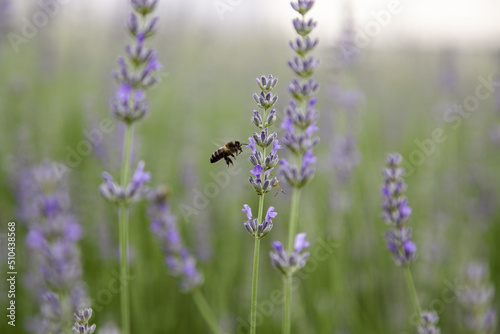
(217, 155)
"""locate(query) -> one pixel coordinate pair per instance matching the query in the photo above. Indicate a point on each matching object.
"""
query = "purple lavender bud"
(252, 144)
(134, 191)
(256, 159)
(304, 67)
(428, 324)
(252, 225)
(257, 119)
(267, 84)
(151, 27)
(270, 119)
(290, 263)
(303, 48)
(303, 91)
(129, 106)
(302, 27)
(302, 6)
(82, 318)
(133, 24)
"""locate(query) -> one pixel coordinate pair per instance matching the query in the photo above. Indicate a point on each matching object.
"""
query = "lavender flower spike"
(55, 268)
(396, 212)
(299, 125)
(480, 315)
(177, 257)
(290, 263)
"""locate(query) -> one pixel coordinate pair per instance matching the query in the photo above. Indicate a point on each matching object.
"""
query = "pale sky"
(460, 23)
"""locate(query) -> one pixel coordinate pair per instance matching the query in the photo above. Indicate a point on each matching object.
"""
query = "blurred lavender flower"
(134, 191)
(177, 257)
(480, 316)
(137, 71)
(290, 263)
(397, 212)
(300, 125)
(428, 324)
(81, 325)
(55, 271)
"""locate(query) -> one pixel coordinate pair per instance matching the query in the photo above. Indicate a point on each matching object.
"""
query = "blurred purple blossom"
(300, 125)
(396, 212)
(177, 257)
(134, 191)
(55, 271)
(290, 263)
(480, 315)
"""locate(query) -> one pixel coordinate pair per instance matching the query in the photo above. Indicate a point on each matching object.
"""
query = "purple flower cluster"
(81, 325)
(177, 257)
(134, 191)
(396, 212)
(290, 263)
(55, 272)
(263, 163)
(252, 224)
(428, 324)
(300, 125)
(137, 71)
(480, 316)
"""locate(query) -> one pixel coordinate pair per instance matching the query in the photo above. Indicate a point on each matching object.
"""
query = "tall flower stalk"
(396, 213)
(129, 105)
(55, 271)
(261, 180)
(299, 126)
(480, 315)
(177, 257)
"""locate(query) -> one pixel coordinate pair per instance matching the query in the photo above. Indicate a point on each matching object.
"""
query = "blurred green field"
(58, 87)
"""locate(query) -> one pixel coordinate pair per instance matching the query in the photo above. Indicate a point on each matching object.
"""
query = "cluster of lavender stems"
(299, 126)
(480, 315)
(396, 213)
(136, 74)
(261, 181)
(55, 270)
(177, 257)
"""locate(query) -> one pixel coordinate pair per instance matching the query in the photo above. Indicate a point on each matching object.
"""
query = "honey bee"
(227, 151)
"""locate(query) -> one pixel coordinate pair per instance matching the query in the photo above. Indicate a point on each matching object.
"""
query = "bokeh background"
(387, 94)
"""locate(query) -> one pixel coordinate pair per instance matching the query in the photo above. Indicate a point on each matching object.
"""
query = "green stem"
(123, 233)
(255, 278)
(413, 293)
(287, 283)
(294, 215)
(206, 311)
(255, 275)
(292, 231)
